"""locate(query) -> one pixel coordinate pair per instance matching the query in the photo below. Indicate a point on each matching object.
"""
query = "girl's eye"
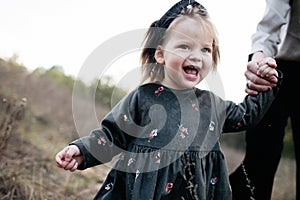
(183, 46)
(206, 50)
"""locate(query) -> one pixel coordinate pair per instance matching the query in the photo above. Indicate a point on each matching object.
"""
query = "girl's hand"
(69, 158)
(266, 68)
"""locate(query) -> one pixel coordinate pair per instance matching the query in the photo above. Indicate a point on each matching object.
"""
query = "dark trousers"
(264, 143)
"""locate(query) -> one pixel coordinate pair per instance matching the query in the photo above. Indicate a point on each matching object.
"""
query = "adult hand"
(255, 80)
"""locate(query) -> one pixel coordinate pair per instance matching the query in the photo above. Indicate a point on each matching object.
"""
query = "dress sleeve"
(102, 144)
(248, 113)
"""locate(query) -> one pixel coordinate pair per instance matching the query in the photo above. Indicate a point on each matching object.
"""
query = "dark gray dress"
(167, 143)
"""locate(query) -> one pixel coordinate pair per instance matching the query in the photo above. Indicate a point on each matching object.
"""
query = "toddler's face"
(186, 53)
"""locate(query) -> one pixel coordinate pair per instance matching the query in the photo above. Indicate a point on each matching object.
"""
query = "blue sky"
(65, 32)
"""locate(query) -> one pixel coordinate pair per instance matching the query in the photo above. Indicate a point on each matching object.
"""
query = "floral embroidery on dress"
(169, 187)
(137, 173)
(157, 157)
(214, 180)
(102, 141)
(130, 161)
(183, 131)
(152, 134)
(160, 89)
(122, 156)
(212, 126)
(195, 107)
(125, 118)
(109, 186)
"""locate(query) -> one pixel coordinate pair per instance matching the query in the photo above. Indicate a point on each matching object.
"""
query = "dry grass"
(11, 111)
(28, 146)
(28, 170)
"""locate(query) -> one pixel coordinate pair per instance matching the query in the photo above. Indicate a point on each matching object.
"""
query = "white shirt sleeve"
(268, 33)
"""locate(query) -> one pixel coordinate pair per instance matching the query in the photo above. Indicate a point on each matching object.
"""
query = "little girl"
(166, 132)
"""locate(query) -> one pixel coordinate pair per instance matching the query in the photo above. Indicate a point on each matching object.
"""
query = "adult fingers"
(252, 67)
(250, 92)
(251, 87)
(255, 79)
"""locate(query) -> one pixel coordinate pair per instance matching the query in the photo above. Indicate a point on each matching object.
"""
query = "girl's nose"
(195, 56)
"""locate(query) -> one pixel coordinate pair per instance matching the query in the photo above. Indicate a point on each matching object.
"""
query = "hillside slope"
(27, 167)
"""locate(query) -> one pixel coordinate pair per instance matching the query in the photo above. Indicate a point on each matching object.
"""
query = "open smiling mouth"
(191, 70)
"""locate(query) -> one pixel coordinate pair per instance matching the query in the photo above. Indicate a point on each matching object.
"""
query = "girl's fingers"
(59, 158)
(271, 72)
(65, 157)
(261, 69)
(72, 165)
(69, 158)
(267, 72)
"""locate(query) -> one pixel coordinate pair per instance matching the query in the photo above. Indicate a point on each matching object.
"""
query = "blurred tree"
(56, 73)
(106, 91)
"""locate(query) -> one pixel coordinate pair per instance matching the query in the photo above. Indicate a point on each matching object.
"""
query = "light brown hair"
(155, 36)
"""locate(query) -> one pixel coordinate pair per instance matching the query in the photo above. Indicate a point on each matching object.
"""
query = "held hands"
(69, 158)
(261, 74)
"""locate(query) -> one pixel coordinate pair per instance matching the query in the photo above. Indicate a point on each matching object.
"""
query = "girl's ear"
(159, 55)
